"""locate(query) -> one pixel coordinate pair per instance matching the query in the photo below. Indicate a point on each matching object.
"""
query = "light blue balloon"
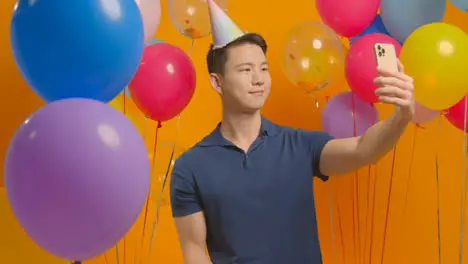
(154, 41)
(460, 4)
(402, 17)
(127, 92)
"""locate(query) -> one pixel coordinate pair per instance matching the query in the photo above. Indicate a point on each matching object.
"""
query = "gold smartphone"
(385, 56)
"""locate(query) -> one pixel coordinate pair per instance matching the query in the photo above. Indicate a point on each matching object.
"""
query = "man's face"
(246, 82)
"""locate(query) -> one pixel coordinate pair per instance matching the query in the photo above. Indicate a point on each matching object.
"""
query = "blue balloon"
(402, 17)
(376, 26)
(460, 4)
(80, 48)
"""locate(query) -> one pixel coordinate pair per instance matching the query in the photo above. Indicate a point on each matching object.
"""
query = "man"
(245, 190)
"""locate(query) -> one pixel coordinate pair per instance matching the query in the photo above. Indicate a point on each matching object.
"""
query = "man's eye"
(245, 70)
(265, 69)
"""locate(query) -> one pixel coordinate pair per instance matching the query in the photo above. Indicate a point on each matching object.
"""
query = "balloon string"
(369, 215)
(117, 253)
(149, 192)
(145, 120)
(388, 204)
(373, 215)
(417, 127)
(340, 225)
(369, 168)
(191, 47)
(332, 227)
(330, 195)
(410, 170)
(161, 194)
(438, 193)
(367, 210)
(463, 185)
(125, 250)
(356, 189)
(124, 103)
(105, 258)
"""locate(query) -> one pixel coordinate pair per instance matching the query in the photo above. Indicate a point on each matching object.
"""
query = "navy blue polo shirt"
(259, 206)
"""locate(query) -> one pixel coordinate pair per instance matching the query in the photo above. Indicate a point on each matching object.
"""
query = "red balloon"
(361, 66)
(456, 115)
(164, 83)
(348, 17)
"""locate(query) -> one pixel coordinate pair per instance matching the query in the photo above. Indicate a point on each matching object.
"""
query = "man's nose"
(257, 79)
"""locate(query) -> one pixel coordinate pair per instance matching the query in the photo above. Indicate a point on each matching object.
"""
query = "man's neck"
(241, 129)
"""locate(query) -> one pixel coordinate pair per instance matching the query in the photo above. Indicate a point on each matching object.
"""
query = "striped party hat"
(223, 29)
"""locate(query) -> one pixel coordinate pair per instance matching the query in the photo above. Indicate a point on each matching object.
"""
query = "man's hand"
(396, 88)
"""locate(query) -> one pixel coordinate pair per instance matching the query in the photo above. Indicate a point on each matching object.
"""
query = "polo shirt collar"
(216, 138)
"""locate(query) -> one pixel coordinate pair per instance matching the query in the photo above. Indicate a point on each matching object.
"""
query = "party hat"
(223, 29)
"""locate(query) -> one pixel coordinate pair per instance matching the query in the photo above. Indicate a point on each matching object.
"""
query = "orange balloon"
(191, 17)
(312, 56)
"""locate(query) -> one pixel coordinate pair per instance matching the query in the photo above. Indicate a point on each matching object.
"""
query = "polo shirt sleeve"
(315, 141)
(183, 191)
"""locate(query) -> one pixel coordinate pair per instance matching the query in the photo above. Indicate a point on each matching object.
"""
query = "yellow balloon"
(312, 55)
(191, 17)
(126, 105)
(117, 102)
(16, 246)
(435, 55)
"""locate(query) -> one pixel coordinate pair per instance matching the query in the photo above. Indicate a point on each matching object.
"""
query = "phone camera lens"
(383, 51)
(380, 54)
(379, 47)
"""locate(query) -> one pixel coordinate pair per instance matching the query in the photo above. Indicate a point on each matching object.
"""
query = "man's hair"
(216, 58)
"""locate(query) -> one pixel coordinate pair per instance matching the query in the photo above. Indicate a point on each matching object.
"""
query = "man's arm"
(188, 214)
(191, 230)
(341, 156)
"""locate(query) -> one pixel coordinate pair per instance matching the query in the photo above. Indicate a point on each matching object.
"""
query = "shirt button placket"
(246, 160)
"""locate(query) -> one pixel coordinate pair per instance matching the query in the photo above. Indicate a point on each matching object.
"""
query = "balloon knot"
(159, 124)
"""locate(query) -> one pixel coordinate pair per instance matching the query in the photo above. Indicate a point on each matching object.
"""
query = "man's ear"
(216, 82)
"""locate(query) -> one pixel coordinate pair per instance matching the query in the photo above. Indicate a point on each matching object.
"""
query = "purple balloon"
(346, 115)
(77, 175)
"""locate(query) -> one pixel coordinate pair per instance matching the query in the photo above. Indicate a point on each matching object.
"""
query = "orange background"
(358, 233)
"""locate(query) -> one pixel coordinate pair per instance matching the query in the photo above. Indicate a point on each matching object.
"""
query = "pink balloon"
(164, 83)
(346, 115)
(456, 114)
(361, 67)
(347, 17)
(150, 13)
(423, 114)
